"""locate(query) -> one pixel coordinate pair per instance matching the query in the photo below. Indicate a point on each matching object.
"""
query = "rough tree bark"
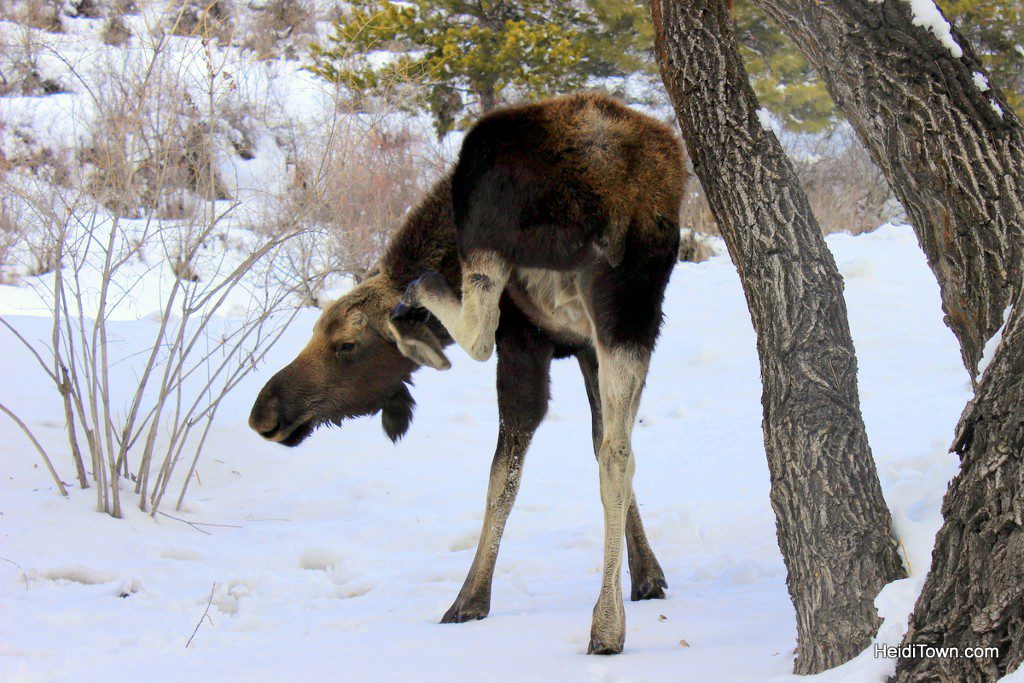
(974, 594)
(944, 136)
(833, 526)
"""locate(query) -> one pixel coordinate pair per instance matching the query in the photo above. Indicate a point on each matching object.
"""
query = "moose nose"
(263, 418)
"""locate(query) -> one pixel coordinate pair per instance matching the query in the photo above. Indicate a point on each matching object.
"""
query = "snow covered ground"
(335, 560)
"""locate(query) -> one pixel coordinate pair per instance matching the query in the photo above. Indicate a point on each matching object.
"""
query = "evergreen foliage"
(461, 58)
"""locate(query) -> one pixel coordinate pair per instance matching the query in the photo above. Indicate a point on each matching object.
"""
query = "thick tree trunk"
(833, 526)
(974, 594)
(948, 143)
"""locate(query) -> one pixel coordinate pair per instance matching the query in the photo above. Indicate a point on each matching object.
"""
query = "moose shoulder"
(558, 224)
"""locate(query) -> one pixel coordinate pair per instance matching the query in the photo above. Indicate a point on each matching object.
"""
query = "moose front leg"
(474, 601)
(523, 379)
(473, 321)
(645, 573)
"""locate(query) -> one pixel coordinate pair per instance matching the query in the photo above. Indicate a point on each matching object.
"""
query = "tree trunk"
(948, 143)
(974, 594)
(833, 526)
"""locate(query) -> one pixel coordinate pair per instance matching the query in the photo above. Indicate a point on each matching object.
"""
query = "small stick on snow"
(223, 526)
(185, 521)
(206, 615)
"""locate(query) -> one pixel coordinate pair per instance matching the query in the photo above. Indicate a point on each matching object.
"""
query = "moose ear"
(397, 413)
(418, 343)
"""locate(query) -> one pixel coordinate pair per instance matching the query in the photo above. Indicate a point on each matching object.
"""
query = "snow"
(992, 344)
(981, 82)
(764, 117)
(336, 559)
(927, 15)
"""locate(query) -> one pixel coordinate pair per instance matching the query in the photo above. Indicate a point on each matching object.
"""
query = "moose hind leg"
(473, 321)
(524, 360)
(645, 573)
(622, 371)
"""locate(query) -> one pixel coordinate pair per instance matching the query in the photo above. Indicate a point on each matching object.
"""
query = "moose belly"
(552, 300)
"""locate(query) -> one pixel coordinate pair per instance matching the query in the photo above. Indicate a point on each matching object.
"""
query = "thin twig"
(32, 438)
(185, 521)
(206, 614)
(223, 526)
(24, 577)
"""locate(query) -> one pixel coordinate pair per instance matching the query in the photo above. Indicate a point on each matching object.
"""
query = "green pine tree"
(783, 80)
(460, 55)
(464, 57)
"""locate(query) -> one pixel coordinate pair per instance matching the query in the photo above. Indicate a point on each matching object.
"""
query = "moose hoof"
(458, 614)
(599, 646)
(404, 313)
(649, 588)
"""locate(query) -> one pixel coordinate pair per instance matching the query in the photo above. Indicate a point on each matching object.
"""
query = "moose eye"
(347, 346)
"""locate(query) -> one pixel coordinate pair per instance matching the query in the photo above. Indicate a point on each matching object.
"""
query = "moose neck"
(426, 241)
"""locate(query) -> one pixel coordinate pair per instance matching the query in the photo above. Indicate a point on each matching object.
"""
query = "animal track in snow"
(318, 559)
(182, 554)
(77, 573)
(351, 590)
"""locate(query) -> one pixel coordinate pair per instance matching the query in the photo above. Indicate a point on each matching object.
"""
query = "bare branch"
(39, 447)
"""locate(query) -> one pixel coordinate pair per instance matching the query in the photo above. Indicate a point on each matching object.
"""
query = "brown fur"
(632, 162)
(615, 214)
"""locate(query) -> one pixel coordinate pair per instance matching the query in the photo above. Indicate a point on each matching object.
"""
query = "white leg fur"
(473, 322)
(621, 375)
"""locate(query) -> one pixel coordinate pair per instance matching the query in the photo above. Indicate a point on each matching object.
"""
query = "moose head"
(351, 367)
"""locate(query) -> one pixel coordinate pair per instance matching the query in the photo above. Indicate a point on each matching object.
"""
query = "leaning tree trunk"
(974, 594)
(948, 143)
(833, 526)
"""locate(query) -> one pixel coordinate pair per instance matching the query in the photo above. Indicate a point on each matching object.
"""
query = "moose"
(559, 226)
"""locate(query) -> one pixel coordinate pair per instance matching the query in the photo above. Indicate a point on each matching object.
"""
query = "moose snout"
(265, 416)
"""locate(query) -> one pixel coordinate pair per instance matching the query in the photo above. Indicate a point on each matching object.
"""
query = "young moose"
(559, 224)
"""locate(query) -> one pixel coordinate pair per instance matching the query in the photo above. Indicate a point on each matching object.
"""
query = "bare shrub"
(10, 233)
(367, 184)
(280, 28)
(193, 361)
(32, 248)
(20, 70)
(206, 19)
(40, 14)
(39, 157)
(144, 197)
(694, 212)
(350, 180)
(694, 247)
(136, 436)
(150, 140)
(44, 252)
(115, 32)
(847, 191)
